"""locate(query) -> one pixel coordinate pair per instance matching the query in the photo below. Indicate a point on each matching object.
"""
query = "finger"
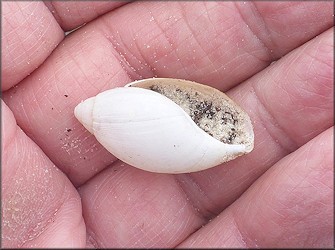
(29, 35)
(291, 206)
(127, 207)
(289, 103)
(93, 65)
(217, 43)
(71, 15)
(40, 207)
(201, 196)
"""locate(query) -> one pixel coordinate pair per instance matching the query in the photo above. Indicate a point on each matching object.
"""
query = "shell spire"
(84, 113)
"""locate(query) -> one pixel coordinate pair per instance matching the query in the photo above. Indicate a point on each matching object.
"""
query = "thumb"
(40, 207)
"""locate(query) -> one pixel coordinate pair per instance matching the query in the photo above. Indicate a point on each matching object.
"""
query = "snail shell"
(168, 125)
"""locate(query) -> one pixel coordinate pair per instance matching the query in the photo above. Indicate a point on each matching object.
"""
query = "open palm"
(61, 188)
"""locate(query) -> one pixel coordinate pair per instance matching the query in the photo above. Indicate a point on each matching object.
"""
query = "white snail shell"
(168, 125)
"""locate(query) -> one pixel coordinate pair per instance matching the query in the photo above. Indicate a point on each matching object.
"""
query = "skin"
(60, 188)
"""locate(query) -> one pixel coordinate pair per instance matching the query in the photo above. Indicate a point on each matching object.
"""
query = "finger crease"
(265, 117)
(191, 188)
(269, 51)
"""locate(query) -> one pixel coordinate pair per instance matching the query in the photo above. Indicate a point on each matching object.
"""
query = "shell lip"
(131, 84)
(134, 82)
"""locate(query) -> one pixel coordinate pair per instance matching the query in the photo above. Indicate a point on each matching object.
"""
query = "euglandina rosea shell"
(168, 125)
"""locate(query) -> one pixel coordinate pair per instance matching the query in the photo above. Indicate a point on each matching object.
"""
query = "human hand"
(61, 188)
